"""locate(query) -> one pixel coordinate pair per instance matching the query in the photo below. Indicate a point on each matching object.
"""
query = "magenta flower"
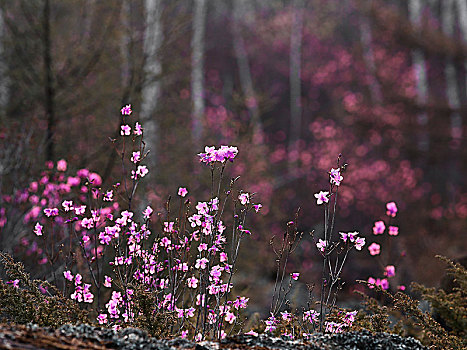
(401, 287)
(393, 230)
(14, 283)
(67, 205)
(201, 263)
(80, 210)
(244, 198)
(182, 191)
(391, 209)
(108, 196)
(50, 212)
(257, 207)
(126, 110)
(321, 197)
(192, 282)
(147, 212)
(68, 275)
(390, 271)
(359, 243)
(136, 157)
(379, 228)
(125, 130)
(252, 332)
(102, 318)
(321, 245)
(336, 177)
(384, 284)
(38, 229)
(374, 248)
(371, 282)
(107, 281)
(230, 317)
(223, 257)
(61, 165)
(295, 275)
(95, 179)
(138, 129)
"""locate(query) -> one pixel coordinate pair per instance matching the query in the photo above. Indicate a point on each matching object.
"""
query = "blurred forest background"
(291, 83)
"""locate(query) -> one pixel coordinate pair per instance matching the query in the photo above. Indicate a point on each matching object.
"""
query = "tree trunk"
(153, 37)
(462, 13)
(366, 39)
(295, 75)
(246, 80)
(4, 81)
(197, 70)
(420, 75)
(48, 83)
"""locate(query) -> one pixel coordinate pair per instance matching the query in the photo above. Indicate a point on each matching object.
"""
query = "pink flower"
(182, 191)
(252, 332)
(61, 165)
(374, 249)
(359, 243)
(244, 198)
(257, 207)
(401, 287)
(336, 176)
(136, 157)
(390, 271)
(38, 229)
(142, 171)
(393, 230)
(125, 130)
(223, 257)
(384, 284)
(321, 245)
(68, 275)
(107, 281)
(50, 212)
(321, 197)
(201, 263)
(371, 282)
(95, 179)
(126, 110)
(295, 275)
(192, 282)
(391, 209)
(108, 196)
(138, 129)
(230, 317)
(379, 228)
(14, 283)
(102, 318)
(147, 212)
(80, 210)
(67, 205)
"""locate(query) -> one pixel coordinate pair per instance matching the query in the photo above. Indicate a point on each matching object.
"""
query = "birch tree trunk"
(366, 39)
(48, 82)
(153, 37)
(295, 74)
(246, 80)
(462, 13)
(197, 70)
(420, 75)
(4, 81)
(452, 91)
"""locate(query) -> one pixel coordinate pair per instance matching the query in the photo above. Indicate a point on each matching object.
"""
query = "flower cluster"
(375, 249)
(224, 153)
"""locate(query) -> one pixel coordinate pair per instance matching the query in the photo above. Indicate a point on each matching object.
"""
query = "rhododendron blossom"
(374, 248)
(391, 209)
(38, 229)
(126, 110)
(390, 271)
(393, 230)
(321, 245)
(244, 198)
(182, 192)
(322, 197)
(138, 129)
(379, 228)
(336, 177)
(125, 130)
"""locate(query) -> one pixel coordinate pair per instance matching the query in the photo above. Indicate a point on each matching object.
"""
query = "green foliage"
(422, 325)
(28, 304)
(158, 323)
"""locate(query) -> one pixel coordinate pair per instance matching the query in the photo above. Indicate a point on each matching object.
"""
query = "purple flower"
(379, 228)
(321, 197)
(390, 271)
(126, 110)
(182, 191)
(38, 229)
(336, 177)
(295, 275)
(391, 209)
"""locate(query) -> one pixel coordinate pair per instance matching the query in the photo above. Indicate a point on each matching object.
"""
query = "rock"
(73, 337)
